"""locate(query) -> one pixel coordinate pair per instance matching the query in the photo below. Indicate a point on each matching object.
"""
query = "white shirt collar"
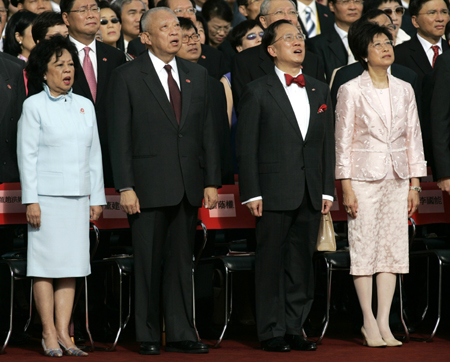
(281, 76)
(81, 46)
(427, 45)
(342, 33)
(301, 7)
(159, 64)
(405, 4)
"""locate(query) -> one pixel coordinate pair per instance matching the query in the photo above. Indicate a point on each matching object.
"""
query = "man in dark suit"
(211, 58)
(420, 53)
(93, 73)
(165, 160)
(351, 71)
(332, 47)
(254, 62)
(315, 18)
(286, 157)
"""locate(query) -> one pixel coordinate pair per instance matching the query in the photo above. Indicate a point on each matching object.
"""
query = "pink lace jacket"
(363, 140)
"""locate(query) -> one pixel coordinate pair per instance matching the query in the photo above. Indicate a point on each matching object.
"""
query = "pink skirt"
(378, 237)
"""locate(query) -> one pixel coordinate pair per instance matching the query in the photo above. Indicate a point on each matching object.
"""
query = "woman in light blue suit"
(60, 166)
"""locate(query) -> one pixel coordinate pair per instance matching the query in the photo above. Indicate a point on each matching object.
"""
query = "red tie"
(436, 53)
(89, 73)
(175, 94)
(299, 80)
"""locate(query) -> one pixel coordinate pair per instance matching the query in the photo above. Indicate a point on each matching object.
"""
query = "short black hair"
(43, 52)
(187, 24)
(43, 22)
(217, 9)
(416, 5)
(375, 4)
(202, 20)
(239, 31)
(242, 2)
(365, 18)
(165, 3)
(67, 5)
(270, 34)
(6, 3)
(18, 23)
(362, 36)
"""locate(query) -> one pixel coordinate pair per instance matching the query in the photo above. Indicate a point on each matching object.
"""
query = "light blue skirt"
(60, 247)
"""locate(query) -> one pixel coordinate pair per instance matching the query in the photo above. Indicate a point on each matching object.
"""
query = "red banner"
(229, 213)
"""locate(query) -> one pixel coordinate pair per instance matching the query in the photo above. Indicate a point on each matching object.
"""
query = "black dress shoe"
(299, 343)
(277, 344)
(149, 348)
(187, 347)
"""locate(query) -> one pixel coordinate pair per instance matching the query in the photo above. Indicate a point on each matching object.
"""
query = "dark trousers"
(163, 242)
(285, 242)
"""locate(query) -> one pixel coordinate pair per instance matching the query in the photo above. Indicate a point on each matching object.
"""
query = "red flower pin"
(322, 108)
(204, 57)
(9, 86)
(82, 110)
(188, 81)
(104, 59)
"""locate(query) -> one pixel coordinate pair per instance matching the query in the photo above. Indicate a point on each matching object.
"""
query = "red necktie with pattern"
(436, 53)
(175, 94)
(299, 80)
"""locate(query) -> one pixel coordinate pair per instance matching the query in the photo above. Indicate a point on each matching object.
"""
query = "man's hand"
(326, 206)
(34, 215)
(211, 197)
(95, 212)
(255, 207)
(129, 202)
(444, 184)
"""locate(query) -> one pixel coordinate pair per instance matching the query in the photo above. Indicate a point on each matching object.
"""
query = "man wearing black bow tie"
(285, 147)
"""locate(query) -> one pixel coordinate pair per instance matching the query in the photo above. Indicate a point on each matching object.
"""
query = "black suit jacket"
(149, 151)
(108, 58)
(330, 49)
(12, 95)
(326, 20)
(407, 24)
(275, 162)
(254, 63)
(211, 58)
(411, 55)
(354, 70)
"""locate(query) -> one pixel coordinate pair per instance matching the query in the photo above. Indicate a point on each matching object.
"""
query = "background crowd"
(382, 62)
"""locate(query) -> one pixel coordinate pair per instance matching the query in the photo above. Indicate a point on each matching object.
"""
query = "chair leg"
(11, 310)
(327, 318)
(113, 347)
(402, 311)
(31, 307)
(227, 312)
(87, 314)
(439, 303)
(193, 304)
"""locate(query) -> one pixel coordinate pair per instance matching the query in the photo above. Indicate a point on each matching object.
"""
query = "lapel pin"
(314, 89)
(9, 86)
(326, 15)
(104, 59)
(204, 57)
(188, 81)
(82, 110)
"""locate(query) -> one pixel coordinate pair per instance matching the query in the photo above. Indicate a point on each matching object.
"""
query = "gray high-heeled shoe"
(51, 352)
(73, 351)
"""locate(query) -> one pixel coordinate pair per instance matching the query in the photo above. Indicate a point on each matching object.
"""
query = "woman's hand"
(413, 202)
(350, 203)
(34, 215)
(95, 212)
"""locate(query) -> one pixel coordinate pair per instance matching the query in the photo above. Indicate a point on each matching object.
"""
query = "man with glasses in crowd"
(97, 61)
(285, 151)
(249, 8)
(254, 63)
(332, 47)
(130, 12)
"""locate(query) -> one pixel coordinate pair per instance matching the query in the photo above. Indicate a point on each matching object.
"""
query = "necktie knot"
(308, 10)
(86, 51)
(299, 80)
(168, 68)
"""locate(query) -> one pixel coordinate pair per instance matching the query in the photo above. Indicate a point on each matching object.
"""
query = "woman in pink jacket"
(379, 152)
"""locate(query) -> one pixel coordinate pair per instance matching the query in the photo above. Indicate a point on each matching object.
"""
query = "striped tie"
(310, 26)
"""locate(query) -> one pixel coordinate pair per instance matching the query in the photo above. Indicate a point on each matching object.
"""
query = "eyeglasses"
(347, 2)
(186, 38)
(216, 29)
(106, 21)
(190, 11)
(279, 13)
(380, 46)
(399, 11)
(433, 13)
(253, 36)
(84, 11)
(289, 38)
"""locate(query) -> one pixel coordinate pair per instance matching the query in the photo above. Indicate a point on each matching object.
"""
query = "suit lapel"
(313, 106)
(369, 93)
(102, 69)
(266, 63)
(419, 56)
(279, 94)
(81, 86)
(186, 91)
(337, 47)
(153, 83)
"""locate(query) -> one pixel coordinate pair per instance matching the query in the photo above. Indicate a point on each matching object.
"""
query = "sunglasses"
(252, 36)
(106, 21)
(399, 11)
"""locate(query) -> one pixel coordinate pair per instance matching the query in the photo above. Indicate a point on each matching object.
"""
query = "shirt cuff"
(252, 199)
(328, 197)
(126, 189)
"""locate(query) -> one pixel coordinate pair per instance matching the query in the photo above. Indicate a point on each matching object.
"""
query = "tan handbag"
(326, 240)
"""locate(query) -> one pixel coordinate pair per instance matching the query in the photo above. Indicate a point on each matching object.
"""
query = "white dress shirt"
(92, 54)
(298, 97)
(405, 4)
(314, 17)
(344, 37)
(427, 47)
(158, 64)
